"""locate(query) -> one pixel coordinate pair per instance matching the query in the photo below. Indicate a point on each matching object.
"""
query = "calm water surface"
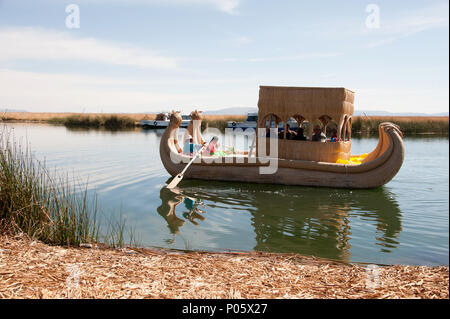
(406, 221)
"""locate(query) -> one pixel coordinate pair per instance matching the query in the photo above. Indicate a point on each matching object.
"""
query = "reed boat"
(298, 162)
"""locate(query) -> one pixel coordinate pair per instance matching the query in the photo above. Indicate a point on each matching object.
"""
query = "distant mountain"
(245, 110)
(385, 113)
(12, 110)
(232, 111)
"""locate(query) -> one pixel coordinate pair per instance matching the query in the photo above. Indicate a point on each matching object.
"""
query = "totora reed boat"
(291, 160)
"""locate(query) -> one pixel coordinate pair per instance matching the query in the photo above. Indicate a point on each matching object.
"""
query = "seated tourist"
(213, 146)
(318, 135)
(333, 137)
(299, 134)
(188, 147)
(290, 134)
(191, 145)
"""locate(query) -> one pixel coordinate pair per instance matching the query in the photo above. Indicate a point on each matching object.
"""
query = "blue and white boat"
(163, 123)
(252, 122)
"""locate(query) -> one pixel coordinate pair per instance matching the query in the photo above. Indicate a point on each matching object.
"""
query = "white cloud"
(43, 44)
(295, 57)
(402, 99)
(227, 6)
(432, 17)
(37, 91)
(298, 57)
(242, 40)
(45, 92)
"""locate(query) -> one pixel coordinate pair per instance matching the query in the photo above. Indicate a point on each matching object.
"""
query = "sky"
(133, 56)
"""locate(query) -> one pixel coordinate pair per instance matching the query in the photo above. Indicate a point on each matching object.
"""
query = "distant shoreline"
(361, 124)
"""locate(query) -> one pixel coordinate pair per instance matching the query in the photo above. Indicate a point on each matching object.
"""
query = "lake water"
(406, 221)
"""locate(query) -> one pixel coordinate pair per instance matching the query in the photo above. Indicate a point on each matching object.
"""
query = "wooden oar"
(179, 177)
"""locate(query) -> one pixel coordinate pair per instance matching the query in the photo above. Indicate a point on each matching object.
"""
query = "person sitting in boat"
(193, 140)
(299, 134)
(213, 146)
(333, 137)
(290, 134)
(190, 147)
(318, 135)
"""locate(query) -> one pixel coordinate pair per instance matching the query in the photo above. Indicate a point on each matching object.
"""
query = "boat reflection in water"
(305, 220)
(171, 198)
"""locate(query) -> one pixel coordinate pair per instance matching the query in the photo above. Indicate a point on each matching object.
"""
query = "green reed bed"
(220, 122)
(111, 122)
(363, 125)
(6, 119)
(47, 206)
(409, 125)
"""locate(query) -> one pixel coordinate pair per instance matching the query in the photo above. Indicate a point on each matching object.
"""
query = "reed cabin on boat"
(312, 105)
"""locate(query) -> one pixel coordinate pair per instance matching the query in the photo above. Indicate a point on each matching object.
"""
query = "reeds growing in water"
(117, 121)
(408, 124)
(362, 124)
(47, 206)
(220, 121)
(110, 122)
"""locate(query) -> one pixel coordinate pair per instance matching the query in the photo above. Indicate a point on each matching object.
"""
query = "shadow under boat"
(305, 220)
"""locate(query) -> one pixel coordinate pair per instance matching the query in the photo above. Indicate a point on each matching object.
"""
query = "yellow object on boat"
(354, 160)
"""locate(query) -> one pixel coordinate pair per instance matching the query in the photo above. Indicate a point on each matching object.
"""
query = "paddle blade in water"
(175, 181)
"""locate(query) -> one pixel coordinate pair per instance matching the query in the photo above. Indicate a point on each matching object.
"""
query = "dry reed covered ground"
(31, 269)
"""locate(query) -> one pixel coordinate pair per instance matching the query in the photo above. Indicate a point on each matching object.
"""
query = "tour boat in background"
(163, 121)
(252, 121)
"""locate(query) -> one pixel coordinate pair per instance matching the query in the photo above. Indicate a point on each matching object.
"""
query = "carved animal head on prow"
(388, 126)
(196, 115)
(175, 118)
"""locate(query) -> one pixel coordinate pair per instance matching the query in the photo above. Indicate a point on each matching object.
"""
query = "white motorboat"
(164, 122)
(252, 121)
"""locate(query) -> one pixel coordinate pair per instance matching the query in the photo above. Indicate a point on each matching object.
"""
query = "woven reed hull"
(379, 167)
